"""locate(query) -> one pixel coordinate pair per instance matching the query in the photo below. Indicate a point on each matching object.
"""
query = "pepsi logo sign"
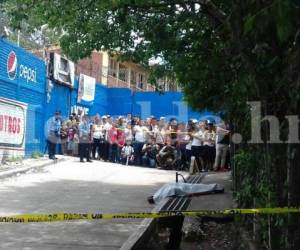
(12, 65)
(25, 72)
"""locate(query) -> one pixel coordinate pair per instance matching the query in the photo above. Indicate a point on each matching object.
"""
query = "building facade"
(111, 72)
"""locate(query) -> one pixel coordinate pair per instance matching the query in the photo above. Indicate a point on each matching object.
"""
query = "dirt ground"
(209, 235)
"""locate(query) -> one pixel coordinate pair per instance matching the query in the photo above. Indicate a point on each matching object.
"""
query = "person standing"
(159, 133)
(54, 127)
(129, 119)
(98, 137)
(71, 138)
(197, 145)
(209, 146)
(222, 146)
(64, 138)
(113, 143)
(84, 140)
(139, 131)
(121, 141)
(183, 140)
(106, 127)
(128, 133)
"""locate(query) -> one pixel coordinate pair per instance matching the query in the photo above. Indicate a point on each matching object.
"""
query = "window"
(112, 68)
(64, 65)
(133, 78)
(123, 73)
(141, 81)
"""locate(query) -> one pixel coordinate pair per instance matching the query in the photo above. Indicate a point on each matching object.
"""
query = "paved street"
(71, 186)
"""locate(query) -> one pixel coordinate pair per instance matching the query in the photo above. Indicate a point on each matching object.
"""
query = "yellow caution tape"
(26, 218)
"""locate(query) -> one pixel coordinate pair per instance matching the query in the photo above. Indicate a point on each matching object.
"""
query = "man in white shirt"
(197, 145)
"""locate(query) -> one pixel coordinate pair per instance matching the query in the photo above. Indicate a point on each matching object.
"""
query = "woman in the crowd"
(120, 122)
(113, 143)
(209, 145)
(128, 133)
(159, 133)
(121, 141)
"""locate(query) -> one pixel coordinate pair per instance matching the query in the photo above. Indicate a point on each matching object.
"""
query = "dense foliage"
(223, 53)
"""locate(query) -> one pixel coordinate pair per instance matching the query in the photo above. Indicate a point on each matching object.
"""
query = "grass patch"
(36, 155)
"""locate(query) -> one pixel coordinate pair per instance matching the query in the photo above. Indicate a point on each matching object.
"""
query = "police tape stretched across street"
(28, 218)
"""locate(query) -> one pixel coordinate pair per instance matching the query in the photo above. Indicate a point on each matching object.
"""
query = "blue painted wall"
(60, 100)
(170, 104)
(119, 101)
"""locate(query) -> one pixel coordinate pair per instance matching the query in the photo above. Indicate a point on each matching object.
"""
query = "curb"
(23, 170)
(138, 238)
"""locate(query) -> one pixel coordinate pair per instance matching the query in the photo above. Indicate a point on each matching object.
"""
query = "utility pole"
(18, 38)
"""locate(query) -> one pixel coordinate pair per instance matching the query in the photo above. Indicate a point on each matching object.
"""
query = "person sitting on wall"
(53, 134)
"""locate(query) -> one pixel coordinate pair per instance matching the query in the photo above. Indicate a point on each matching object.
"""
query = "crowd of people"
(130, 140)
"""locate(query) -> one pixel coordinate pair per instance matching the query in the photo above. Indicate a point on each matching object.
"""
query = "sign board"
(86, 90)
(12, 126)
(21, 68)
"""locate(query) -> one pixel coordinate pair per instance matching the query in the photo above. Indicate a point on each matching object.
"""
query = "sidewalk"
(215, 201)
(210, 234)
(10, 169)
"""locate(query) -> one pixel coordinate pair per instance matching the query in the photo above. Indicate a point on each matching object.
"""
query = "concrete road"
(77, 187)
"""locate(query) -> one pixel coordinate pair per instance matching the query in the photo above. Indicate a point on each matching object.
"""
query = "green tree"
(223, 53)
(28, 34)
